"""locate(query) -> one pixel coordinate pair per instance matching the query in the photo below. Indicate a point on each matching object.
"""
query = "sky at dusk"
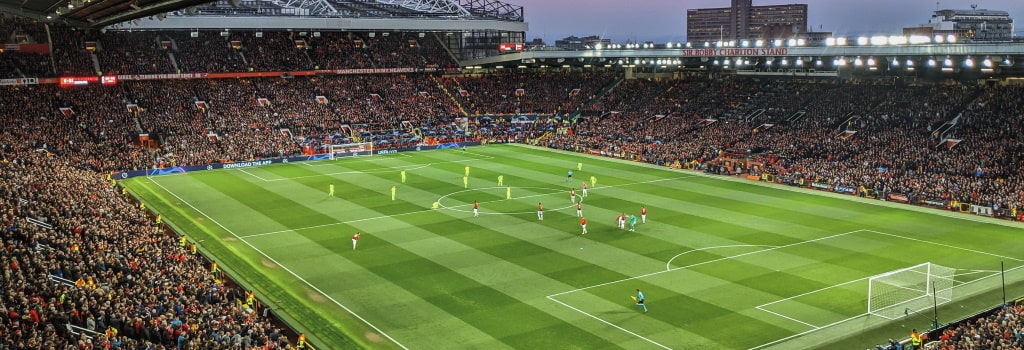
(665, 20)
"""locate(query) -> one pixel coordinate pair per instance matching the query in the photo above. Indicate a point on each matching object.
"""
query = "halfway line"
(429, 210)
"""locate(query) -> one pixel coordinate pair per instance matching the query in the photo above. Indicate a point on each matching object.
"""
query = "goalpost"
(917, 288)
(351, 150)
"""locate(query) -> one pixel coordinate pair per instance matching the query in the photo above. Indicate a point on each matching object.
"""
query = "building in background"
(973, 24)
(577, 43)
(743, 21)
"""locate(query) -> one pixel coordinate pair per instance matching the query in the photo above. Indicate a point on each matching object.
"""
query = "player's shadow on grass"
(621, 312)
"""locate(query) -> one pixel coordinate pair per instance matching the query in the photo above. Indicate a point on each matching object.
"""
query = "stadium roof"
(373, 15)
(94, 13)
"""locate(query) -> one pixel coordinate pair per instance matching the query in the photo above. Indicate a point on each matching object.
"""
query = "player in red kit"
(572, 195)
(355, 240)
(584, 194)
(583, 224)
(643, 214)
(579, 210)
(540, 211)
(476, 209)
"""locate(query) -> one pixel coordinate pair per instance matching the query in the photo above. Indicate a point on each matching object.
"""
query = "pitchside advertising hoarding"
(262, 162)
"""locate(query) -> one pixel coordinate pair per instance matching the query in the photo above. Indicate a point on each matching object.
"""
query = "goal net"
(910, 290)
(351, 150)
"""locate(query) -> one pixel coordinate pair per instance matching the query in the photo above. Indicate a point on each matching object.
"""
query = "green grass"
(723, 263)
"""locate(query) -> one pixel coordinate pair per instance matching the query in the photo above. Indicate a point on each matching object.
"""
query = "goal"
(351, 150)
(910, 290)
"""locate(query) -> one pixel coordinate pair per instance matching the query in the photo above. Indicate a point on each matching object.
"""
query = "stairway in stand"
(446, 92)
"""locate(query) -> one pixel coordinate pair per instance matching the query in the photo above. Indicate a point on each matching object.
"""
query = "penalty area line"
(708, 262)
(609, 323)
(295, 275)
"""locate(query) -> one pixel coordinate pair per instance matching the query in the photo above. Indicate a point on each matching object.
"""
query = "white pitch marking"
(251, 174)
(429, 210)
(787, 317)
(668, 265)
(282, 266)
(945, 245)
(609, 323)
(708, 262)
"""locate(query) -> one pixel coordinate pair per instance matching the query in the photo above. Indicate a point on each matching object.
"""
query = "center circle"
(554, 191)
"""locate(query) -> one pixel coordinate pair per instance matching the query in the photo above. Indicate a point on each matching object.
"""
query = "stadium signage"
(898, 197)
(19, 81)
(736, 52)
(843, 189)
(246, 164)
(162, 76)
(82, 81)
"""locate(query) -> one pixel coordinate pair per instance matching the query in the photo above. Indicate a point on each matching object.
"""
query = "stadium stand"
(864, 137)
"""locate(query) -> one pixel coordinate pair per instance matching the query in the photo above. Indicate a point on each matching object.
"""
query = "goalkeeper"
(640, 300)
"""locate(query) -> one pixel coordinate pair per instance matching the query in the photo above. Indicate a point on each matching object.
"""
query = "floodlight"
(726, 62)
(919, 39)
(759, 43)
(931, 62)
(716, 62)
(895, 62)
(938, 39)
(744, 43)
(948, 62)
(818, 62)
(951, 39)
(897, 40)
(799, 62)
(879, 40)
(778, 42)
(791, 42)
(910, 63)
(871, 61)
(830, 42)
(858, 62)
(987, 62)
(862, 40)
(840, 41)
(785, 62)
(969, 62)
(801, 42)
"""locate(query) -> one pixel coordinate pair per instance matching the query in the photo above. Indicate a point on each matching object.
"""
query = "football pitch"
(723, 263)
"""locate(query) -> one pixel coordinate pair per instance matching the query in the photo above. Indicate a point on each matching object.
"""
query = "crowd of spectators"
(78, 52)
(77, 252)
(133, 53)
(880, 135)
(870, 134)
(1003, 329)
(514, 93)
(18, 64)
